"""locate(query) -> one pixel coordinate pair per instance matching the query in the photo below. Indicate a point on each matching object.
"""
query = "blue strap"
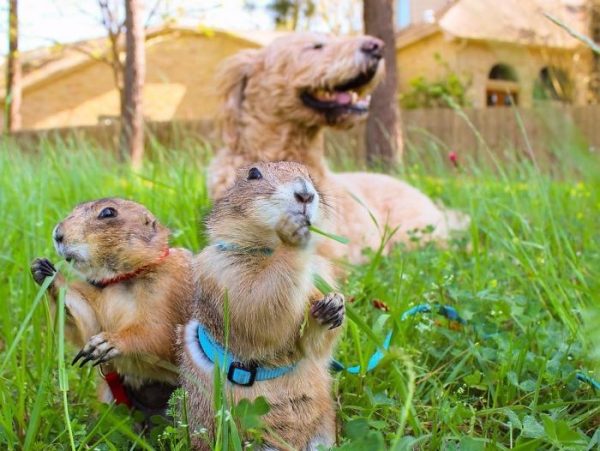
(445, 310)
(237, 372)
(224, 246)
(588, 380)
(374, 360)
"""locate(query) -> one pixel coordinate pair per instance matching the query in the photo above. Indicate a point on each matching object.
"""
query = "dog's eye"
(318, 46)
(108, 212)
(254, 174)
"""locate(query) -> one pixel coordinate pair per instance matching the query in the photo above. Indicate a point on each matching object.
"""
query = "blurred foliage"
(442, 93)
(287, 14)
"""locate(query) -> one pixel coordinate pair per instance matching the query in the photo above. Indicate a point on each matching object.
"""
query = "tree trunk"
(132, 119)
(13, 72)
(594, 31)
(383, 134)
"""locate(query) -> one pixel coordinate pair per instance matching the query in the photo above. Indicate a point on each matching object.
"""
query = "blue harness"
(232, 247)
(237, 372)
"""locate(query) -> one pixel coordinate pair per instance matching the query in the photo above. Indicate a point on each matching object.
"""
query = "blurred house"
(505, 51)
(69, 85)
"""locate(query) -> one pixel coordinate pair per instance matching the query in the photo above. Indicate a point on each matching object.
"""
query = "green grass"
(526, 277)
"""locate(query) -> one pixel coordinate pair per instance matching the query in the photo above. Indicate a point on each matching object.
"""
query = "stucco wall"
(418, 59)
(179, 85)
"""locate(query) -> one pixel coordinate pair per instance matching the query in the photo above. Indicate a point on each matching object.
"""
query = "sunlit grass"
(525, 277)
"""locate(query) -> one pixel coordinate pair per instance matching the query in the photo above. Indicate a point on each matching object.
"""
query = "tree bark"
(13, 72)
(594, 31)
(132, 119)
(383, 134)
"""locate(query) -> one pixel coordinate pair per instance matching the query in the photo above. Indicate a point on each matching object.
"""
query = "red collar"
(129, 275)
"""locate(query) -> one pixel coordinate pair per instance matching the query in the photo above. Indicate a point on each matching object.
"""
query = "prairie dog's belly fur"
(246, 317)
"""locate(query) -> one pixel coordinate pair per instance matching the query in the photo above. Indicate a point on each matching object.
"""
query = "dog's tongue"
(343, 98)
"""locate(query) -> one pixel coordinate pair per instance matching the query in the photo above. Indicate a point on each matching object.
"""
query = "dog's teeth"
(355, 97)
(322, 94)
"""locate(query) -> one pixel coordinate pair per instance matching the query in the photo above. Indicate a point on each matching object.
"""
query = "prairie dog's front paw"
(329, 311)
(99, 348)
(41, 268)
(293, 229)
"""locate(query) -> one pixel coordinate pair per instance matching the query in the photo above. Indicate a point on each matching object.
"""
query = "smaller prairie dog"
(136, 293)
(262, 259)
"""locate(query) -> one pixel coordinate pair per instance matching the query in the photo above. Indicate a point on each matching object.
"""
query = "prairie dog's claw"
(98, 349)
(41, 268)
(329, 311)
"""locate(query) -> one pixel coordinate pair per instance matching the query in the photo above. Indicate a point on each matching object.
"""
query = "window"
(502, 72)
(553, 83)
(403, 13)
(502, 88)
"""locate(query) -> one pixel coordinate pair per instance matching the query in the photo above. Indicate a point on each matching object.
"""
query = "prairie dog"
(261, 257)
(136, 291)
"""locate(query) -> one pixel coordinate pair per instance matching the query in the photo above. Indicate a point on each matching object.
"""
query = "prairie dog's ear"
(232, 78)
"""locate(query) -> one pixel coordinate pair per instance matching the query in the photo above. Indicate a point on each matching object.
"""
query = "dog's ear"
(233, 74)
(232, 78)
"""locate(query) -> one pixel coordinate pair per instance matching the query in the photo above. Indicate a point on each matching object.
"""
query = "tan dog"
(277, 101)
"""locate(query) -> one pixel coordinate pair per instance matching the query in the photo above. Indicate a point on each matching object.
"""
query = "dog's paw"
(329, 311)
(41, 268)
(99, 349)
(293, 229)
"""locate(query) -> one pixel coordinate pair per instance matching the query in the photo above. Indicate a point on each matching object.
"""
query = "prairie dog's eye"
(108, 212)
(254, 174)
(318, 46)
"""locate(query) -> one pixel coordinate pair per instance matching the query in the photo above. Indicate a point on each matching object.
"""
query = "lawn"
(524, 279)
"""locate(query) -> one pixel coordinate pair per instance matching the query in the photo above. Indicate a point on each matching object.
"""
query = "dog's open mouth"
(351, 96)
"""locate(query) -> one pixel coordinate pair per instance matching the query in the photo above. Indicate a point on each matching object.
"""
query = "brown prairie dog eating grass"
(261, 259)
(136, 291)
(276, 103)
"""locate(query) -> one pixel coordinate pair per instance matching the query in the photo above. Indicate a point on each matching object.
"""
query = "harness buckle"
(250, 369)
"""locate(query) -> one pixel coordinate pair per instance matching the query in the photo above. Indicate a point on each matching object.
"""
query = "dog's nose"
(304, 197)
(372, 47)
(58, 234)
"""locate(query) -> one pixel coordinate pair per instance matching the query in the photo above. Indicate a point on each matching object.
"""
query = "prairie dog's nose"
(304, 192)
(58, 234)
(372, 47)
(304, 197)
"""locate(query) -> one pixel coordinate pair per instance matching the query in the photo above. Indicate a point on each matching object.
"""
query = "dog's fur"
(264, 118)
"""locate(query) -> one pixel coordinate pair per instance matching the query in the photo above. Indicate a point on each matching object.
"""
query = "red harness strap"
(113, 379)
(117, 388)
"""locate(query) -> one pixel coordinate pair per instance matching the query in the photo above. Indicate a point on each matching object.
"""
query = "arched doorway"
(502, 87)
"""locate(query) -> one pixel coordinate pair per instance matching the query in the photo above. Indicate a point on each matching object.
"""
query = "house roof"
(49, 62)
(512, 21)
